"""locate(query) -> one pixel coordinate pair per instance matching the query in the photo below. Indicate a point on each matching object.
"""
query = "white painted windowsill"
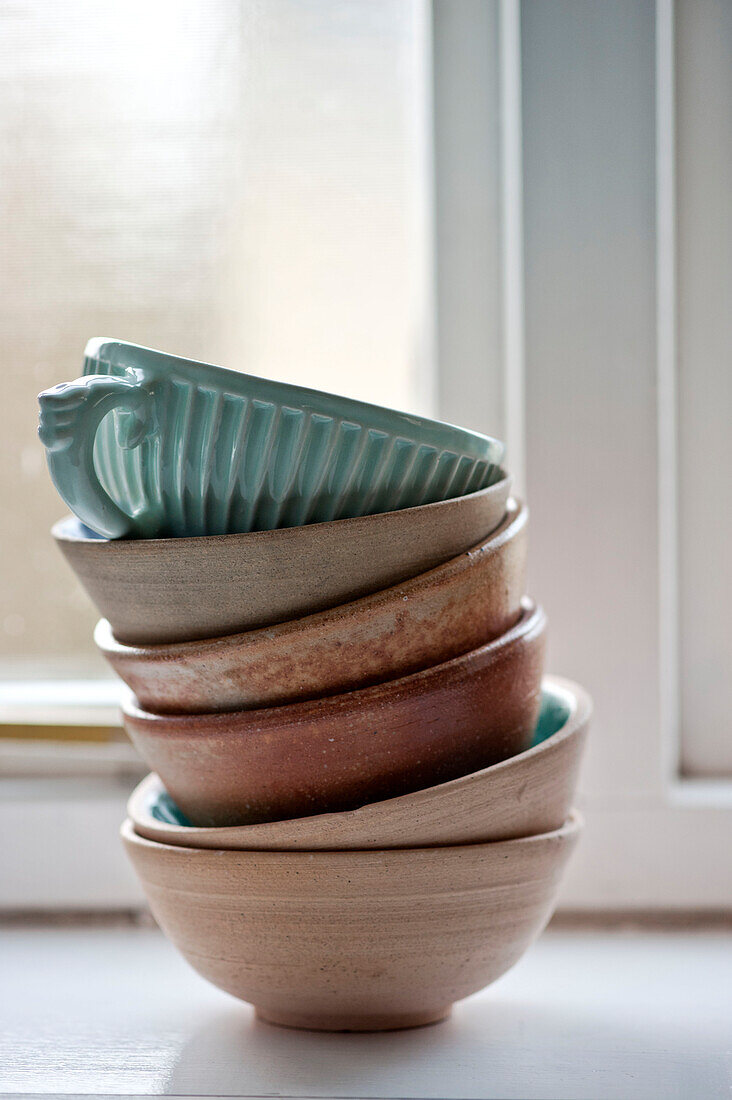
(619, 1013)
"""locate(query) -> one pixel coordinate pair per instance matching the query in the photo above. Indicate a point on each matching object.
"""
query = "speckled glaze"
(354, 941)
(338, 752)
(194, 449)
(446, 611)
(529, 793)
(155, 591)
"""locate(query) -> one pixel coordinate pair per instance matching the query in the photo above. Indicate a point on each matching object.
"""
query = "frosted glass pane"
(242, 182)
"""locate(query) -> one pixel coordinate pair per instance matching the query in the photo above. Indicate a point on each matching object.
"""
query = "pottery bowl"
(449, 610)
(354, 941)
(155, 591)
(526, 794)
(341, 751)
(194, 449)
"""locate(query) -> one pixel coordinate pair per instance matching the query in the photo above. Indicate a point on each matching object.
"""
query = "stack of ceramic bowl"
(361, 799)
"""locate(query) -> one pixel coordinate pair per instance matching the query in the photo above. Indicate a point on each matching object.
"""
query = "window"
(246, 183)
(613, 200)
(243, 183)
(540, 189)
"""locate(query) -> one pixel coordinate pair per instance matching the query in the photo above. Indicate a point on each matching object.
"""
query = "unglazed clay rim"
(580, 713)
(531, 624)
(514, 521)
(571, 828)
(61, 534)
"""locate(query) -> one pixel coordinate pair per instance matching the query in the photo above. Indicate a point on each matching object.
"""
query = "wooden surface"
(616, 1014)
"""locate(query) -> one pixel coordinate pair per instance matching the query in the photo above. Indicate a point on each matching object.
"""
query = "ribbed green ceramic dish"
(194, 449)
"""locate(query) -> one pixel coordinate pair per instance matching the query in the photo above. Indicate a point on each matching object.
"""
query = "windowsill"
(620, 1013)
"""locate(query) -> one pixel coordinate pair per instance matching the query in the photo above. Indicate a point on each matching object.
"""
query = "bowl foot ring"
(338, 1022)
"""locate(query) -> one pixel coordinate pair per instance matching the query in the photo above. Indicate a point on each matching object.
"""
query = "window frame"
(654, 838)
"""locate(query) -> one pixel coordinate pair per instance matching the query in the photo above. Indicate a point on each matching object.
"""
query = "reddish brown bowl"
(452, 609)
(339, 752)
(530, 793)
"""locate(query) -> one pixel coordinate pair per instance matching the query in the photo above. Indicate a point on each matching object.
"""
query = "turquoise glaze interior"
(556, 707)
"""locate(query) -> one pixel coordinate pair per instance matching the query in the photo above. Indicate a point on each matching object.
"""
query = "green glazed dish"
(194, 449)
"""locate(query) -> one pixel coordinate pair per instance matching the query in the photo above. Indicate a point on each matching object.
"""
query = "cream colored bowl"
(354, 941)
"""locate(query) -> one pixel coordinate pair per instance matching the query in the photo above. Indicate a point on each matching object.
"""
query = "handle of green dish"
(70, 415)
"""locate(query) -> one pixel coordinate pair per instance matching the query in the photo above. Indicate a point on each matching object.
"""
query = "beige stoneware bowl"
(155, 591)
(354, 941)
(421, 622)
(342, 751)
(527, 794)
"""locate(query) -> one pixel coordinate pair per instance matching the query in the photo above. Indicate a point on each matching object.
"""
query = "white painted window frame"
(653, 840)
(62, 801)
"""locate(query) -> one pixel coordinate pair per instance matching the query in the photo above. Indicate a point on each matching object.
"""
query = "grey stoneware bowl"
(354, 941)
(448, 610)
(526, 794)
(155, 591)
(341, 751)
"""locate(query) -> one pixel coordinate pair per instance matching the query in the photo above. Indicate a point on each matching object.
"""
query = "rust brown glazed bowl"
(449, 610)
(527, 794)
(354, 941)
(156, 591)
(341, 751)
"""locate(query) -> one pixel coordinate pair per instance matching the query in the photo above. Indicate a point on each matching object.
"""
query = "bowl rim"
(513, 523)
(568, 830)
(69, 530)
(530, 625)
(580, 713)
